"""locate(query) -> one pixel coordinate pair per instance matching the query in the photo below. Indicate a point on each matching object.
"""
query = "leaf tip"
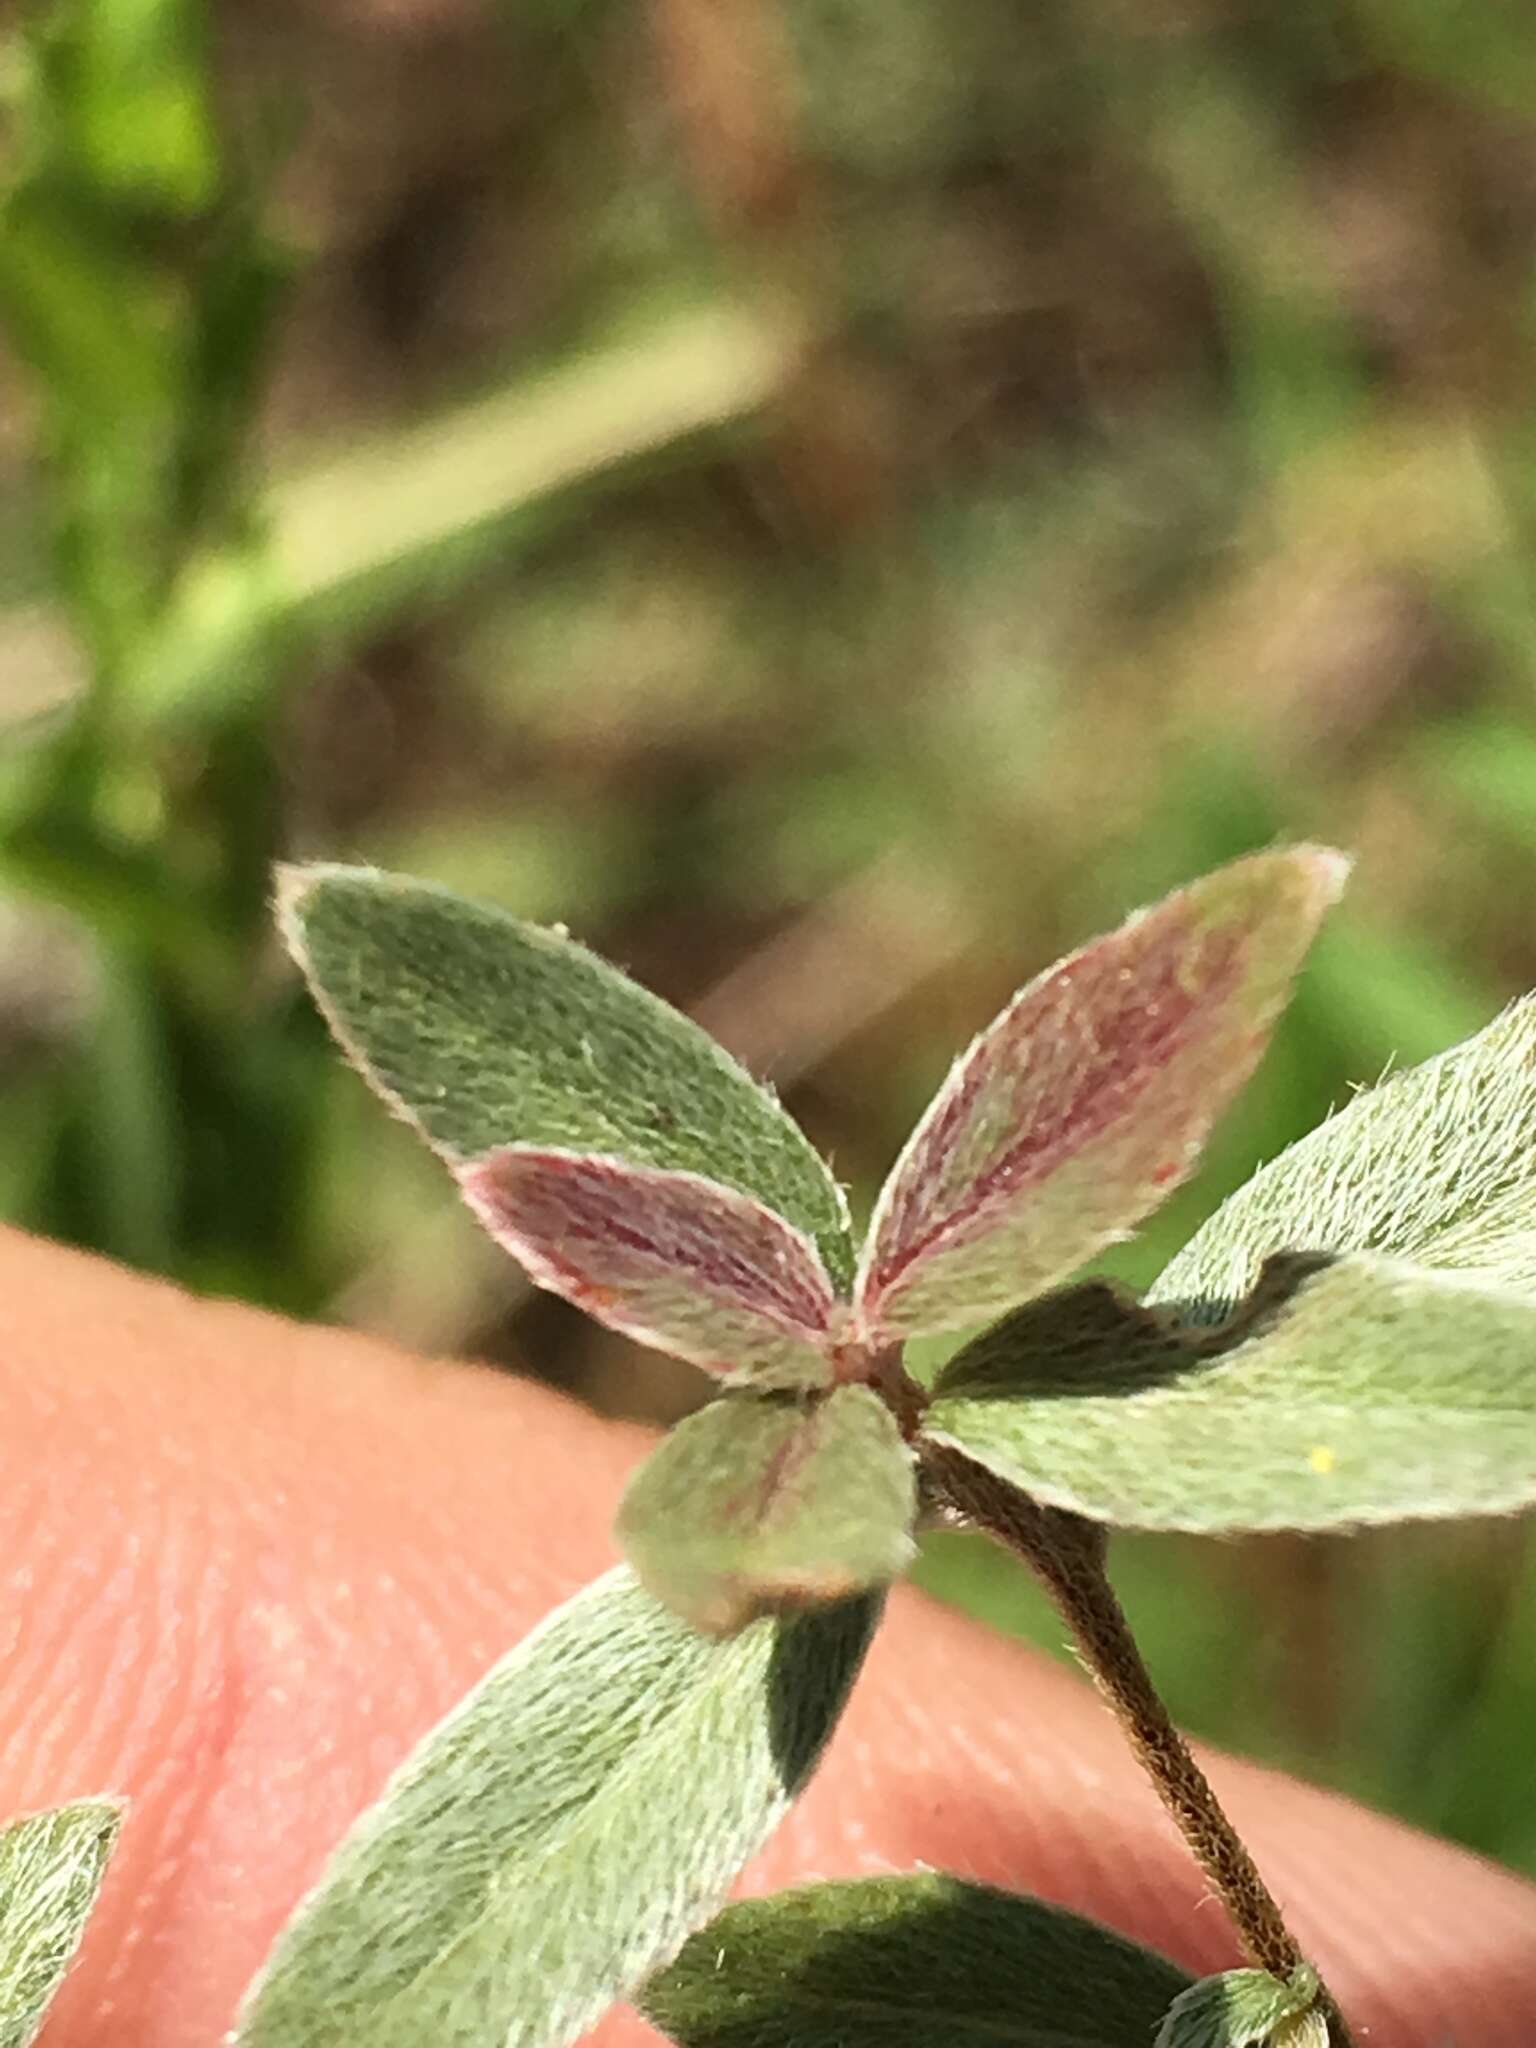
(1325, 869)
(295, 881)
(108, 1810)
(292, 883)
(111, 1808)
(1301, 882)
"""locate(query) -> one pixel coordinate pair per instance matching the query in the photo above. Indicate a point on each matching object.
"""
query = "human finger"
(250, 1563)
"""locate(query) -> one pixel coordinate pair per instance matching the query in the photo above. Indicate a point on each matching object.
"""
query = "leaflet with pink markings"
(1089, 1098)
(673, 1260)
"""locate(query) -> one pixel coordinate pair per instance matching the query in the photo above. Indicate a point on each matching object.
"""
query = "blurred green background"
(836, 500)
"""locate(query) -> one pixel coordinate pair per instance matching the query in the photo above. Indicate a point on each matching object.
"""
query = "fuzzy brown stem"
(1067, 1553)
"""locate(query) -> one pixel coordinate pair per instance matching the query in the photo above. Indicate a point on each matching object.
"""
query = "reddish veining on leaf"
(672, 1258)
(767, 1489)
(1145, 1035)
(1163, 1019)
(772, 1493)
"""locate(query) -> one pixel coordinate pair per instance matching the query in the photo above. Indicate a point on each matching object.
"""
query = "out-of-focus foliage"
(836, 508)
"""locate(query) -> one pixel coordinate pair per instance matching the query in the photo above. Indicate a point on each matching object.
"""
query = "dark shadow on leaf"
(925, 1961)
(1097, 1338)
(814, 1664)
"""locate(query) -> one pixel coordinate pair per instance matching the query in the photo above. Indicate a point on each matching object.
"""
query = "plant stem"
(1067, 1553)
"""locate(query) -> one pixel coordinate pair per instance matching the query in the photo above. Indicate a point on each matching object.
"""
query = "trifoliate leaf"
(1090, 1097)
(485, 1031)
(1437, 1165)
(51, 1868)
(668, 1258)
(1345, 1391)
(909, 1962)
(1239, 2009)
(561, 1833)
(755, 1504)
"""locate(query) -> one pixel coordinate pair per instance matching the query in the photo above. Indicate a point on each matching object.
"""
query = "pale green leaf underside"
(1238, 2009)
(909, 1962)
(558, 1837)
(754, 1504)
(1347, 1392)
(1436, 1165)
(487, 1031)
(51, 1868)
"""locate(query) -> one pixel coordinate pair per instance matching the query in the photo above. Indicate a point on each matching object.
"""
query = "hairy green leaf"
(1239, 2009)
(1345, 1391)
(561, 1833)
(123, 92)
(1436, 1165)
(909, 1962)
(1089, 1098)
(755, 1504)
(485, 1031)
(670, 1259)
(51, 1868)
(1301, 2030)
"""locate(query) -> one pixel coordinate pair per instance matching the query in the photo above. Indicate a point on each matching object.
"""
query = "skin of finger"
(247, 1564)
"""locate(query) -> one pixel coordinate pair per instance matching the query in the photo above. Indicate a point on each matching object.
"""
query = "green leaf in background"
(1345, 1392)
(1437, 1165)
(1240, 2009)
(90, 321)
(671, 1259)
(909, 1962)
(123, 86)
(51, 1868)
(562, 1832)
(485, 1031)
(754, 1504)
(1088, 1100)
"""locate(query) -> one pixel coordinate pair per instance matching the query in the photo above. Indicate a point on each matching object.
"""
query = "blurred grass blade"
(51, 1868)
(381, 525)
(1238, 2009)
(89, 320)
(1090, 1097)
(1343, 1392)
(752, 1505)
(924, 1962)
(1437, 1165)
(671, 1259)
(135, 1161)
(561, 1833)
(484, 1031)
(385, 509)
